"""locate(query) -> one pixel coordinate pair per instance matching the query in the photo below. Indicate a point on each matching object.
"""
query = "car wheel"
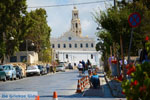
(15, 77)
(4, 79)
(12, 78)
(19, 77)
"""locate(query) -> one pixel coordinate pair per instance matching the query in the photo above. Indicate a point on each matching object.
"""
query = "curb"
(109, 85)
(115, 93)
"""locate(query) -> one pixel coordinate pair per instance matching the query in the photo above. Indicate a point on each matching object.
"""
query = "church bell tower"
(75, 22)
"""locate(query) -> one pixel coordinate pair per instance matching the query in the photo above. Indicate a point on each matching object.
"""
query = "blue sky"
(59, 18)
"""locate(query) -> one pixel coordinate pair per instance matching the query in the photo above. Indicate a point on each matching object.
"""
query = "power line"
(70, 4)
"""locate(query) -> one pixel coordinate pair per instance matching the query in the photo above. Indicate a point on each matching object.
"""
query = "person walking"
(47, 67)
(80, 68)
(83, 63)
(88, 63)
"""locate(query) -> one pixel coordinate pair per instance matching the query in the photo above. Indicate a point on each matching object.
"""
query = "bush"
(138, 86)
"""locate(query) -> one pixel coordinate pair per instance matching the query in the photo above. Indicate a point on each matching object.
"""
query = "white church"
(72, 47)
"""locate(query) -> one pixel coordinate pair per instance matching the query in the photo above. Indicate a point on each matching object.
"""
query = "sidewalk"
(115, 87)
(103, 91)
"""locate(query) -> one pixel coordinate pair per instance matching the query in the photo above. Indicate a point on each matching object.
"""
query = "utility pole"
(115, 4)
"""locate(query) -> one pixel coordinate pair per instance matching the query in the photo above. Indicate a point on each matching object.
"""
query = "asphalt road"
(64, 83)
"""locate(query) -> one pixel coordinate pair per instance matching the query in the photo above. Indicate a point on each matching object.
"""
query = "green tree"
(11, 13)
(115, 21)
(38, 31)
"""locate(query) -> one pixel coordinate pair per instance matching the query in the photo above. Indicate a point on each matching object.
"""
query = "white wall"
(76, 56)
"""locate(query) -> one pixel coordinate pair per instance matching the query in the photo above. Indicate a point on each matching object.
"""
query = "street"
(64, 83)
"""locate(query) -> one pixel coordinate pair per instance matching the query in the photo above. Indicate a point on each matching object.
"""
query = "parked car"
(32, 70)
(42, 69)
(10, 71)
(60, 68)
(2, 74)
(19, 72)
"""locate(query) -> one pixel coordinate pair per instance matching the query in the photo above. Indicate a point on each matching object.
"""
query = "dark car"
(19, 72)
(42, 69)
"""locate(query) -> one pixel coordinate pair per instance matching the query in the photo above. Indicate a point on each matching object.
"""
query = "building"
(72, 47)
(23, 56)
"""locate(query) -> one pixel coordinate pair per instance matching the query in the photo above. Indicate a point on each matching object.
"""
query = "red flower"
(129, 72)
(123, 92)
(146, 38)
(132, 69)
(142, 88)
(134, 83)
(127, 66)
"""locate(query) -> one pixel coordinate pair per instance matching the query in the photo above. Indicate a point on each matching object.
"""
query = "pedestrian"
(80, 68)
(83, 63)
(88, 63)
(95, 80)
(47, 67)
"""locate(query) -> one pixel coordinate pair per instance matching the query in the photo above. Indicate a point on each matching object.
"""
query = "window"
(75, 45)
(56, 55)
(86, 45)
(66, 56)
(92, 45)
(23, 58)
(53, 46)
(91, 56)
(76, 25)
(70, 45)
(64, 45)
(13, 59)
(81, 45)
(58, 45)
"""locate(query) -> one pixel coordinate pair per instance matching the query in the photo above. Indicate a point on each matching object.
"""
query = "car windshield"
(17, 68)
(6, 67)
(31, 67)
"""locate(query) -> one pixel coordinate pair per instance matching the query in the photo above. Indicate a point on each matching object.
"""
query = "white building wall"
(76, 56)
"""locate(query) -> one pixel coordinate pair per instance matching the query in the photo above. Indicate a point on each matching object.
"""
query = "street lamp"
(11, 38)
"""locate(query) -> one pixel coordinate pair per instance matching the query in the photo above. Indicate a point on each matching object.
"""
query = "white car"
(60, 68)
(32, 70)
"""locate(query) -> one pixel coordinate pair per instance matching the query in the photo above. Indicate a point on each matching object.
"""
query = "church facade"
(72, 47)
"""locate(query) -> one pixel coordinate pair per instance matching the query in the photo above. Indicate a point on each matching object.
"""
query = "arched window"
(64, 45)
(53, 45)
(91, 56)
(75, 45)
(81, 45)
(76, 25)
(92, 45)
(58, 45)
(66, 56)
(70, 45)
(86, 45)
